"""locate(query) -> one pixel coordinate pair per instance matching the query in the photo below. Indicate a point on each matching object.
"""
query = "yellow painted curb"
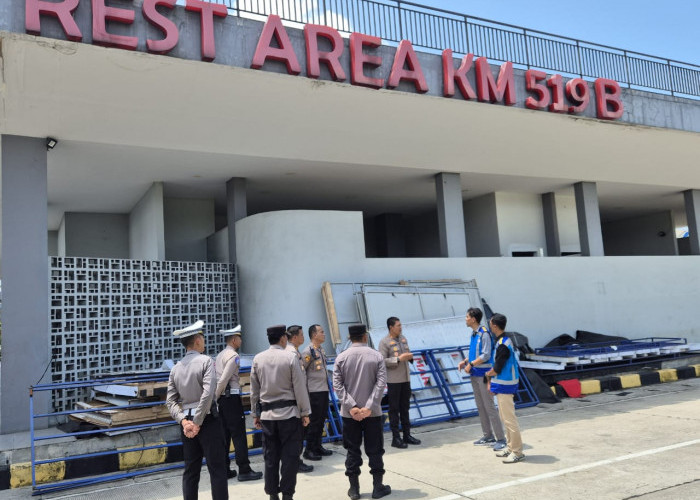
(143, 458)
(631, 380)
(590, 386)
(21, 473)
(554, 389)
(668, 375)
(249, 438)
(697, 370)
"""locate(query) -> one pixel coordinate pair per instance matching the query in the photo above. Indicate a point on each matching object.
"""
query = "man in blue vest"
(480, 361)
(504, 384)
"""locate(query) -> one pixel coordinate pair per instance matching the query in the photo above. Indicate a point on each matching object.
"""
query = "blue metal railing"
(434, 29)
(439, 393)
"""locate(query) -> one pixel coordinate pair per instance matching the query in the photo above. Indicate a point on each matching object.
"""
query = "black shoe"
(304, 467)
(232, 473)
(287, 497)
(408, 439)
(324, 452)
(397, 442)
(275, 497)
(381, 491)
(251, 475)
(354, 491)
(312, 455)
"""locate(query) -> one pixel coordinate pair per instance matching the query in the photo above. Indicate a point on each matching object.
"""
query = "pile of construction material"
(592, 348)
(115, 405)
(133, 403)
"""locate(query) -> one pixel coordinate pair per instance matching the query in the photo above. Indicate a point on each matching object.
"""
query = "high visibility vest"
(507, 381)
(475, 346)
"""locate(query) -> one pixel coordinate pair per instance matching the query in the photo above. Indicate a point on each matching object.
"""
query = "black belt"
(276, 405)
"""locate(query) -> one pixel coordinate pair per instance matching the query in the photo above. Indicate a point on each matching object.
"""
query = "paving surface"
(638, 443)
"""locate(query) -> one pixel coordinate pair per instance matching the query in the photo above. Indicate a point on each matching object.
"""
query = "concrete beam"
(588, 214)
(453, 240)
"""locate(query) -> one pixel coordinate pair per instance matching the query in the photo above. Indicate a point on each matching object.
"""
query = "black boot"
(249, 475)
(408, 439)
(380, 490)
(354, 491)
(275, 497)
(305, 467)
(397, 442)
(324, 452)
(312, 455)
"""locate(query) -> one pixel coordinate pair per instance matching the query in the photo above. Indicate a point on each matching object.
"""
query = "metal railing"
(439, 393)
(433, 29)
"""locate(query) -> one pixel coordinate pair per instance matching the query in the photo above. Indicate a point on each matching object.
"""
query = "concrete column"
(453, 241)
(588, 214)
(236, 209)
(551, 227)
(25, 278)
(692, 211)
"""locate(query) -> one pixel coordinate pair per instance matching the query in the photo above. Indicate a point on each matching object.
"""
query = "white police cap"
(188, 331)
(232, 331)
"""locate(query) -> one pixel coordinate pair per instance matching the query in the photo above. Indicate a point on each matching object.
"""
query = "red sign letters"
(274, 44)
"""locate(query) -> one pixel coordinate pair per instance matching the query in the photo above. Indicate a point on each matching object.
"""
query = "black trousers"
(399, 402)
(233, 420)
(209, 444)
(319, 412)
(282, 441)
(371, 430)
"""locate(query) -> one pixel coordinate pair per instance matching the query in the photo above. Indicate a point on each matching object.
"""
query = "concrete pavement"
(635, 443)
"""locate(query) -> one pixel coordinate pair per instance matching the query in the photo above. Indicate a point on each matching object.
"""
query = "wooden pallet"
(105, 416)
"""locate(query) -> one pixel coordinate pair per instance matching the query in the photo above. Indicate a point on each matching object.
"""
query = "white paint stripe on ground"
(561, 472)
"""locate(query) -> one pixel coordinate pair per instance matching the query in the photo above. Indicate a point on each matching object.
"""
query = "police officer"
(314, 361)
(397, 355)
(359, 378)
(280, 407)
(190, 396)
(228, 396)
(295, 337)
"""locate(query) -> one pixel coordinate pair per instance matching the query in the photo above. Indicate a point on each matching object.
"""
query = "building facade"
(190, 132)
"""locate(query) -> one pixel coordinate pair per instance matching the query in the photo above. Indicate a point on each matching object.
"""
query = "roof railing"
(431, 29)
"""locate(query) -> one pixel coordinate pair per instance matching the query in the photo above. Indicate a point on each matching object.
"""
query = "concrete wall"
(520, 223)
(541, 297)
(568, 223)
(648, 235)
(422, 238)
(146, 226)
(236, 39)
(96, 235)
(481, 223)
(217, 246)
(53, 242)
(188, 223)
(61, 238)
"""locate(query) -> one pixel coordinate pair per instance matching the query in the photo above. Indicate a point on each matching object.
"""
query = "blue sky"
(668, 28)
